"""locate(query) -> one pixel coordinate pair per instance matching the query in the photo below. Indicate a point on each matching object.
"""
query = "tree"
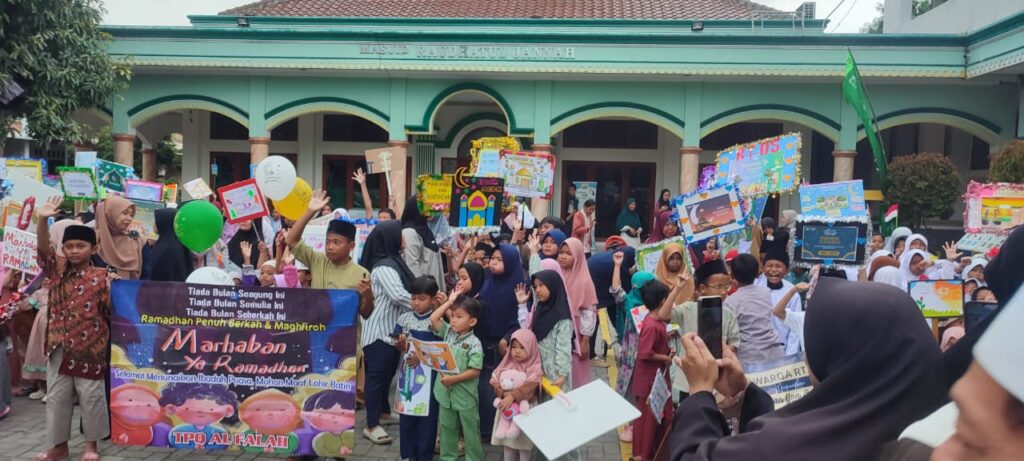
(925, 185)
(56, 53)
(1008, 165)
(875, 25)
(168, 155)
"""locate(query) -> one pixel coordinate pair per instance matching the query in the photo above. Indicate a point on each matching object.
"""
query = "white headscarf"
(896, 234)
(890, 276)
(975, 262)
(905, 264)
(913, 238)
(878, 254)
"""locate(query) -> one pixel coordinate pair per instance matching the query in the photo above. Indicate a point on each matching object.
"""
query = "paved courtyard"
(23, 434)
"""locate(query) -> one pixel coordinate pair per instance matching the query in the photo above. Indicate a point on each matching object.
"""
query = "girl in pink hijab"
(523, 356)
(579, 287)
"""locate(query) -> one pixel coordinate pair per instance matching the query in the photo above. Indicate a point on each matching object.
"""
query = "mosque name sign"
(473, 52)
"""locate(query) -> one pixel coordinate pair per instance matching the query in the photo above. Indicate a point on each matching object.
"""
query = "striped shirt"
(390, 300)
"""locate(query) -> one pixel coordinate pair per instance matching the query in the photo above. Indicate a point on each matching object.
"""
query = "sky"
(849, 17)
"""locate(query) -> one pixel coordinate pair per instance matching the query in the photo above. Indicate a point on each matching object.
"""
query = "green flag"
(855, 94)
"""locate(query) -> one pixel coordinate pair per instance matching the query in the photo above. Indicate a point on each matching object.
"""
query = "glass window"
(616, 182)
(344, 192)
(222, 127)
(611, 134)
(979, 154)
(350, 128)
(287, 131)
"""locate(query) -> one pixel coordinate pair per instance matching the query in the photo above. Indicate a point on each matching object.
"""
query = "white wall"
(952, 17)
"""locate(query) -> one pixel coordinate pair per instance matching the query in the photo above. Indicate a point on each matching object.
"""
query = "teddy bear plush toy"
(507, 429)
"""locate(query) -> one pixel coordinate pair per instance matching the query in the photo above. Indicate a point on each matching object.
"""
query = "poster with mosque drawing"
(476, 203)
(528, 174)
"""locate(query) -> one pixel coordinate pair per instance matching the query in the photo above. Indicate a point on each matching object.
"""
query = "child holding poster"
(653, 355)
(457, 394)
(418, 432)
(78, 336)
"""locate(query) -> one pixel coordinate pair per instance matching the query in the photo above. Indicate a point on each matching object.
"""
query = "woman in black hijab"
(169, 260)
(876, 366)
(1004, 275)
(475, 275)
(246, 233)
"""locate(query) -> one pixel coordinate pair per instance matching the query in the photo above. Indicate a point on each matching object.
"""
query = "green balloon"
(198, 224)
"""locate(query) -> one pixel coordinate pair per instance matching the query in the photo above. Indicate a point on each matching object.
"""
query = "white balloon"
(276, 177)
(210, 276)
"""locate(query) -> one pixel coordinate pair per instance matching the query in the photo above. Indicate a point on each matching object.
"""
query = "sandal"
(5, 412)
(90, 456)
(377, 436)
(45, 456)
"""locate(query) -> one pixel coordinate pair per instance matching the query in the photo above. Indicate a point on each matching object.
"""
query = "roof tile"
(553, 9)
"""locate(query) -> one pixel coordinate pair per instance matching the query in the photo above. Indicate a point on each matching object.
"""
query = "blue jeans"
(381, 360)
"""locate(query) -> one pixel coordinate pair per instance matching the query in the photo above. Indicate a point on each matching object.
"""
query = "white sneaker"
(37, 395)
(43, 399)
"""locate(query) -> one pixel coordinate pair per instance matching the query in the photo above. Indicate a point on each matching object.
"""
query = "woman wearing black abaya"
(876, 364)
(169, 260)
(246, 233)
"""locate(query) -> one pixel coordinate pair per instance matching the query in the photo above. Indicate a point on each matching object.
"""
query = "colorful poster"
(412, 392)
(85, 159)
(197, 189)
(242, 201)
(53, 181)
(170, 193)
(638, 313)
(757, 206)
(786, 380)
(708, 173)
(435, 354)
(145, 218)
(648, 256)
(585, 190)
(78, 183)
(993, 208)
(528, 174)
(980, 243)
(767, 166)
(30, 168)
(485, 155)
(660, 393)
(834, 199)
(434, 194)
(476, 203)
(362, 233)
(315, 237)
(113, 176)
(19, 250)
(938, 298)
(832, 243)
(218, 368)
(710, 213)
(144, 190)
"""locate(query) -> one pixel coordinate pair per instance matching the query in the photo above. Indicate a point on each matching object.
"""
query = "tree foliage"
(1008, 165)
(55, 51)
(924, 185)
(168, 155)
(875, 25)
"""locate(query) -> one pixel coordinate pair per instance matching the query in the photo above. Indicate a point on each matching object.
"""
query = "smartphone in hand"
(709, 323)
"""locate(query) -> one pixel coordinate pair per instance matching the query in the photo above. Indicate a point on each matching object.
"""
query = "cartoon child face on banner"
(331, 413)
(200, 407)
(134, 409)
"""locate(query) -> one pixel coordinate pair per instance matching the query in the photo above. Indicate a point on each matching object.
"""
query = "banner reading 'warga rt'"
(263, 370)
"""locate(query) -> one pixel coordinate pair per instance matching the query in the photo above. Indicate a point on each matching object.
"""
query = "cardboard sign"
(993, 208)
(786, 379)
(708, 176)
(433, 194)
(648, 256)
(315, 237)
(25, 187)
(19, 251)
(476, 203)
(596, 410)
(832, 243)
(528, 174)
(145, 218)
(980, 243)
(170, 193)
(435, 354)
(710, 213)
(767, 166)
(197, 189)
(113, 176)
(78, 183)
(660, 393)
(277, 366)
(413, 389)
(485, 155)
(30, 168)
(144, 190)
(834, 199)
(242, 201)
(585, 190)
(85, 159)
(638, 313)
(938, 298)
(384, 160)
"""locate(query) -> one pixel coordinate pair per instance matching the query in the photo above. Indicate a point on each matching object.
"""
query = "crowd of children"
(516, 308)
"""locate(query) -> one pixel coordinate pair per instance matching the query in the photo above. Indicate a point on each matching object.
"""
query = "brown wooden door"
(616, 182)
(234, 166)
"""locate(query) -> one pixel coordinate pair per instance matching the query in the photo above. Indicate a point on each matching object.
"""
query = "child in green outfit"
(456, 394)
